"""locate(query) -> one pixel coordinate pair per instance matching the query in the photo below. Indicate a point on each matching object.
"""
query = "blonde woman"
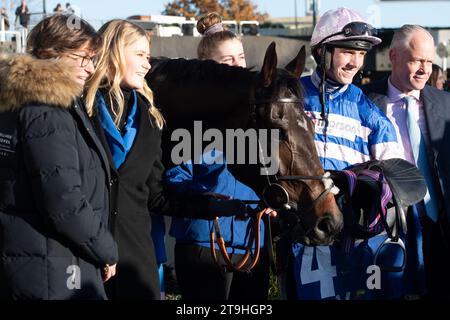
(120, 103)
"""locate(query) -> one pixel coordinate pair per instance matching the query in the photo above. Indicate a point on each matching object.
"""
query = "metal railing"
(19, 36)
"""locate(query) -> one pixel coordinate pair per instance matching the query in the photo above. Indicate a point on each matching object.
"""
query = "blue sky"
(380, 13)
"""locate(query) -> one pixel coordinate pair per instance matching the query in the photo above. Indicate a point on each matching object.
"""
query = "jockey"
(349, 129)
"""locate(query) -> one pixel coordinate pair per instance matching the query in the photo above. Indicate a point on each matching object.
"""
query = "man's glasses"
(355, 29)
(84, 59)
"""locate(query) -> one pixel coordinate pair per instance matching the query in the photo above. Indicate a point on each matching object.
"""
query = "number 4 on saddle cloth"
(373, 198)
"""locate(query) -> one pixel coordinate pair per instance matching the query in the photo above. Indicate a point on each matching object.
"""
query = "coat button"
(112, 181)
(115, 213)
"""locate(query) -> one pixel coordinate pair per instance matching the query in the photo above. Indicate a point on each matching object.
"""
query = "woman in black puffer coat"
(54, 202)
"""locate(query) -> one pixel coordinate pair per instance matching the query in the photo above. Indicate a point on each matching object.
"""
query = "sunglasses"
(355, 29)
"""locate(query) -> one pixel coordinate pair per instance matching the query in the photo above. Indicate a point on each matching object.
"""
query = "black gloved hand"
(226, 208)
(206, 206)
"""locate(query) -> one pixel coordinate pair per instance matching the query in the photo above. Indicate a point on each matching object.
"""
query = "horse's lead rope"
(255, 236)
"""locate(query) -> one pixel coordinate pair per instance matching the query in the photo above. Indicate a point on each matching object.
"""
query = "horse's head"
(300, 185)
(218, 95)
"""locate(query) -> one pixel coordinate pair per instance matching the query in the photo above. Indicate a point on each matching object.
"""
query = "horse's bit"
(272, 188)
(276, 188)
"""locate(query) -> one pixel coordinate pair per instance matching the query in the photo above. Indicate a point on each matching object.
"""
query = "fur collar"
(26, 80)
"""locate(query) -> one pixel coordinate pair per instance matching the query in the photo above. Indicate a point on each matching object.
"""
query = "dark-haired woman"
(54, 201)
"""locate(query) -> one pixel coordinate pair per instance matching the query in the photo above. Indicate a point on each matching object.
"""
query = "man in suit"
(405, 98)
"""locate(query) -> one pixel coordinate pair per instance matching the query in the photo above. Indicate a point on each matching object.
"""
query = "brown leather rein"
(253, 241)
(255, 233)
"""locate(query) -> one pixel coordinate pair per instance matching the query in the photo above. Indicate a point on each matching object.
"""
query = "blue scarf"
(119, 145)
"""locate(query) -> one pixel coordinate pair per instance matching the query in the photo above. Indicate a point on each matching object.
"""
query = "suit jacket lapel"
(435, 123)
(378, 94)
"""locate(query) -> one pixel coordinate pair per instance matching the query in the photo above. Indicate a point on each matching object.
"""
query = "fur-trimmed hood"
(25, 80)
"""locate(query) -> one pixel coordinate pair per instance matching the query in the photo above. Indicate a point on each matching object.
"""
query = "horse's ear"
(269, 68)
(297, 65)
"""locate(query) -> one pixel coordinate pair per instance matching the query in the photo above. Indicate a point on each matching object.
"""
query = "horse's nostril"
(325, 225)
(329, 224)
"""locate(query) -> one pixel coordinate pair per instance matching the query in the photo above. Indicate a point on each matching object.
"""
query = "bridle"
(272, 187)
(275, 186)
(290, 205)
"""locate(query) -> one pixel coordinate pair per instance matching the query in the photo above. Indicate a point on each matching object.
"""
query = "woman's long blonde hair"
(117, 35)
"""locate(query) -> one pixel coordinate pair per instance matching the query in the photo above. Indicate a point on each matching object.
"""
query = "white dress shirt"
(396, 112)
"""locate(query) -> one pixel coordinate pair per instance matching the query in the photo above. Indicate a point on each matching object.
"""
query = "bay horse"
(223, 98)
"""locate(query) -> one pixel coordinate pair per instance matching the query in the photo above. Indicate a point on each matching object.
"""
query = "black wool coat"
(136, 194)
(54, 202)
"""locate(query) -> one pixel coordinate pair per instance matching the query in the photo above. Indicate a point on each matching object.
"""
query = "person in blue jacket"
(349, 129)
(198, 276)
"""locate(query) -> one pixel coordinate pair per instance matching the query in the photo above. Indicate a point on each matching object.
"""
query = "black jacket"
(54, 200)
(436, 236)
(136, 193)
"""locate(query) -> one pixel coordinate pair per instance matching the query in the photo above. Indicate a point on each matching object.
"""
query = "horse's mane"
(222, 87)
(200, 71)
(178, 83)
